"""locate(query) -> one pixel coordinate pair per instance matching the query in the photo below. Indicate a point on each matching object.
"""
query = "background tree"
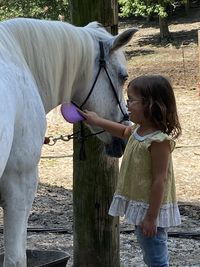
(150, 8)
(41, 9)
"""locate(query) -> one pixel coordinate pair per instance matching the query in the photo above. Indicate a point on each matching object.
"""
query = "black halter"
(102, 65)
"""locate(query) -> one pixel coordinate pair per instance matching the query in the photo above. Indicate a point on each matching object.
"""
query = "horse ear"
(122, 39)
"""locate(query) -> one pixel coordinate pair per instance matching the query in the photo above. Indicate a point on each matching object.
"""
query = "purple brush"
(70, 113)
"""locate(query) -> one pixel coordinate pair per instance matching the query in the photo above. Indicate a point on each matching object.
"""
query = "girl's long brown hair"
(159, 102)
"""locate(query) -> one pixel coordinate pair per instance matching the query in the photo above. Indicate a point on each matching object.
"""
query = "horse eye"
(123, 77)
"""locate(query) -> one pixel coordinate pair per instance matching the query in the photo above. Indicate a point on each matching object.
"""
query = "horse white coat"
(43, 64)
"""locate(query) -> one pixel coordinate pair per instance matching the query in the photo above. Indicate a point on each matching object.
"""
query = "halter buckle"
(102, 63)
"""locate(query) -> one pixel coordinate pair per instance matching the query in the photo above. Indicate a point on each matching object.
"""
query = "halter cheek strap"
(102, 65)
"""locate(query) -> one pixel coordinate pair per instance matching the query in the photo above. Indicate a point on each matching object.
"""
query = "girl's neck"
(145, 129)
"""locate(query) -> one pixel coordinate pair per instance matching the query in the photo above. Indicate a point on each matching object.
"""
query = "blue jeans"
(155, 250)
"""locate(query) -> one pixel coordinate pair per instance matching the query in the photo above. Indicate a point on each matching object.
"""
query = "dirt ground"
(179, 61)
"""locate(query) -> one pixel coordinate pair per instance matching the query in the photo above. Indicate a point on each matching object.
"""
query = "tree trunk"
(187, 7)
(164, 30)
(96, 234)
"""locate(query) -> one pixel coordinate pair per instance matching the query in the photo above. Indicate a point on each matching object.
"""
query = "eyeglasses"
(133, 101)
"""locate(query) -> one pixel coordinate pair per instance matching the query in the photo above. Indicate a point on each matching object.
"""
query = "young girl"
(145, 192)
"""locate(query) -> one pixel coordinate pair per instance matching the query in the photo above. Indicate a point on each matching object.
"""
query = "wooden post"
(96, 234)
(103, 11)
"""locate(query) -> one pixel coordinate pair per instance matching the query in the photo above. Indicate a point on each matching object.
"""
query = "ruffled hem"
(135, 212)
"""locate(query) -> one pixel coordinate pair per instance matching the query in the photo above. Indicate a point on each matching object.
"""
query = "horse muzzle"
(116, 147)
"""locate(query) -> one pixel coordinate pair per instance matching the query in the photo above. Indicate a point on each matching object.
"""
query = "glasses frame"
(133, 101)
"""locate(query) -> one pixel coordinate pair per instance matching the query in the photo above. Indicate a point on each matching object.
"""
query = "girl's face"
(135, 107)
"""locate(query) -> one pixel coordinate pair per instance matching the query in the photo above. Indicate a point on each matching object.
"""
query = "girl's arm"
(159, 161)
(114, 128)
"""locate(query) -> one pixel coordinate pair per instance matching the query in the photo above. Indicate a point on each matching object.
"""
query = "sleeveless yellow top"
(134, 185)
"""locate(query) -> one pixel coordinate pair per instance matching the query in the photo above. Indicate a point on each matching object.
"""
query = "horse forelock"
(55, 52)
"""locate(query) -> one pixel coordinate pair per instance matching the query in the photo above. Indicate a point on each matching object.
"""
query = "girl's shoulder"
(160, 137)
(157, 136)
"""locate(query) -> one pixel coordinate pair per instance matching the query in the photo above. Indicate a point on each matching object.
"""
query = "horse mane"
(55, 52)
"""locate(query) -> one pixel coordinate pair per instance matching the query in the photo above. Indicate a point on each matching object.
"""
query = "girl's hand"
(148, 227)
(90, 116)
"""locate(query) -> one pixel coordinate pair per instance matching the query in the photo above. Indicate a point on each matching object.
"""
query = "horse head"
(105, 89)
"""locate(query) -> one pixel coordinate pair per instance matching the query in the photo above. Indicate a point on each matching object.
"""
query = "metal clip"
(52, 141)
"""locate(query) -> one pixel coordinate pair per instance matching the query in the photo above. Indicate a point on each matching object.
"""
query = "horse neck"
(56, 54)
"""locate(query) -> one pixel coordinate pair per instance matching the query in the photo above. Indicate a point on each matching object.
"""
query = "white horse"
(42, 65)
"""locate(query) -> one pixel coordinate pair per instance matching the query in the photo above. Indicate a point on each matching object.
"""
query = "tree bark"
(96, 234)
(164, 30)
(187, 6)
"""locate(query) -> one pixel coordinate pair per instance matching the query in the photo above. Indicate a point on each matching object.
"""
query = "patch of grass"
(49, 162)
